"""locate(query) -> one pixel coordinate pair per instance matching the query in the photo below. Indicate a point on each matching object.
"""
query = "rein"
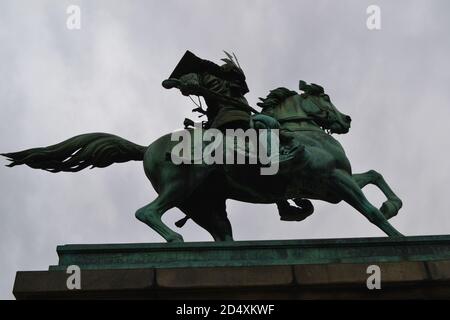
(305, 118)
(295, 118)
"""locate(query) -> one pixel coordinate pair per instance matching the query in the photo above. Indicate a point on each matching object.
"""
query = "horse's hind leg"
(219, 223)
(393, 203)
(348, 190)
(151, 215)
(212, 217)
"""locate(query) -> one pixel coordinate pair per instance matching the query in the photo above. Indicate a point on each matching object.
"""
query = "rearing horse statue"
(320, 169)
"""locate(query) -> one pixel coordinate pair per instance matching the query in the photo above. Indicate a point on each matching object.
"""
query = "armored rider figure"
(223, 88)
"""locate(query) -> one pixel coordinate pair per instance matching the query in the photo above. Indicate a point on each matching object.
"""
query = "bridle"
(308, 119)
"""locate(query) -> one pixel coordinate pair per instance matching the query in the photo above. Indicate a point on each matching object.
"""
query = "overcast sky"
(56, 83)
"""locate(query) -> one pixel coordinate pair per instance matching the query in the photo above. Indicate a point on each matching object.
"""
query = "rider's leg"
(348, 190)
(393, 203)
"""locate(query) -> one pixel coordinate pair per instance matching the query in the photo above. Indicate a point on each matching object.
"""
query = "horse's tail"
(74, 154)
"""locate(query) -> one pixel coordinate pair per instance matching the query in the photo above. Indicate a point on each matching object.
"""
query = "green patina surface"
(253, 253)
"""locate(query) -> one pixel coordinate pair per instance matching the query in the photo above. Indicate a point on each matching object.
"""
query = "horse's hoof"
(398, 235)
(292, 213)
(390, 208)
(175, 239)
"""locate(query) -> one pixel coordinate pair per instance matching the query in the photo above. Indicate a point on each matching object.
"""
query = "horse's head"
(317, 105)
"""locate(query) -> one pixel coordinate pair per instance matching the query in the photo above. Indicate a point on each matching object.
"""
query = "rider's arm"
(190, 83)
(196, 84)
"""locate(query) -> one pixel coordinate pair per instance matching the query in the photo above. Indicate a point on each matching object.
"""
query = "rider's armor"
(222, 87)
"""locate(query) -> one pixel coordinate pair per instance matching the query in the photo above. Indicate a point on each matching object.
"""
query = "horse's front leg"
(393, 203)
(345, 188)
(300, 212)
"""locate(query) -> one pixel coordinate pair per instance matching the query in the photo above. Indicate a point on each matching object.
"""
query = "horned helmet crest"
(233, 69)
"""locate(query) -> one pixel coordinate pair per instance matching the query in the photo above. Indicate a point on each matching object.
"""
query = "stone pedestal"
(411, 268)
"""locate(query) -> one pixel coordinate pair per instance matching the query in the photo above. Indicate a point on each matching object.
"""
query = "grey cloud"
(107, 77)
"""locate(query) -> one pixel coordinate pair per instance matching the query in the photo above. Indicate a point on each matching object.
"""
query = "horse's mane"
(275, 97)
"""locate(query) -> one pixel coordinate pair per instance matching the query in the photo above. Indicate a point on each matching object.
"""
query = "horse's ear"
(317, 89)
(312, 88)
(261, 103)
(303, 86)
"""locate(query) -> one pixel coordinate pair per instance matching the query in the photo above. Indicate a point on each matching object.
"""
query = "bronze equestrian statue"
(317, 167)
